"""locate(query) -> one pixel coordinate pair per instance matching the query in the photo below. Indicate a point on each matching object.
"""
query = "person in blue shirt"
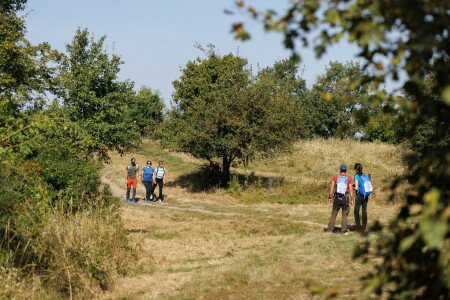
(360, 201)
(147, 179)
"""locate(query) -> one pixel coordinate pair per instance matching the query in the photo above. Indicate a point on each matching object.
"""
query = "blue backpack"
(365, 186)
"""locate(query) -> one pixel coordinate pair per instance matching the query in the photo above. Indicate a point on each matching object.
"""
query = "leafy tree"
(11, 6)
(95, 98)
(332, 101)
(222, 112)
(285, 78)
(431, 134)
(411, 37)
(285, 72)
(382, 127)
(146, 111)
(25, 73)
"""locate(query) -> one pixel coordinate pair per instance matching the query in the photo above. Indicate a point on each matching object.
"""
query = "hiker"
(159, 178)
(147, 180)
(341, 195)
(363, 188)
(132, 173)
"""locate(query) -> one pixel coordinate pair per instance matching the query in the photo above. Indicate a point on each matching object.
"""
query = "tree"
(146, 111)
(11, 6)
(222, 112)
(95, 98)
(26, 73)
(285, 78)
(332, 101)
(394, 37)
(285, 72)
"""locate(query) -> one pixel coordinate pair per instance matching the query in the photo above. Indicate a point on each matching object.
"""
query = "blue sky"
(156, 38)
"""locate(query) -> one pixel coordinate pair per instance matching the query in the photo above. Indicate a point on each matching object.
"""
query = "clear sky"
(156, 38)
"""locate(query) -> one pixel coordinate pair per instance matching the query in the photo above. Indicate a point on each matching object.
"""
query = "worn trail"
(120, 192)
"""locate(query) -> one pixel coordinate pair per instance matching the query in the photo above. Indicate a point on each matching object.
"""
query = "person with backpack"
(340, 195)
(147, 180)
(363, 188)
(132, 174)
(159, 178)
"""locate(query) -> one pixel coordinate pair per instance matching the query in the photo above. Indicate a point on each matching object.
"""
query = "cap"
(343, 168)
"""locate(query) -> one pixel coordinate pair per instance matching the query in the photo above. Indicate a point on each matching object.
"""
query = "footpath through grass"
(215, 243)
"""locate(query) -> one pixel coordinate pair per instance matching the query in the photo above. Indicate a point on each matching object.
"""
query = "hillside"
(253, 242)
(299, 177)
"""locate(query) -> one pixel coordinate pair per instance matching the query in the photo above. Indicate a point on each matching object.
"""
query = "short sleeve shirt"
(357, 178)
(148, 173)
(132, 171)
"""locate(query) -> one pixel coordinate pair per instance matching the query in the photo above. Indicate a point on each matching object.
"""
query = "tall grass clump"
(83, 253)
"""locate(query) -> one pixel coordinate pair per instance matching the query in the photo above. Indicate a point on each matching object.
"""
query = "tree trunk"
(226, 164)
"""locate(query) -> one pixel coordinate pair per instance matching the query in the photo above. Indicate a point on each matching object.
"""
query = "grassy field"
(260, 240)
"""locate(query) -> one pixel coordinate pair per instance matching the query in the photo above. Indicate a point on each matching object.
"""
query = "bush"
(85, 251)
(73, 181)
(382, 128)
(77, 247)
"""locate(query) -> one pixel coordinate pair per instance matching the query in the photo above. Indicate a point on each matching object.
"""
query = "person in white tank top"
(160, 177)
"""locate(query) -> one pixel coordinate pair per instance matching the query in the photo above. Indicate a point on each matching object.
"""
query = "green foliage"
(382, 128)
(412, 38)
(223, 112)
(48, 173)
(428, 134)
(146, 111)
(334, 98)
(285, 78)
(8, 6)
(95, 98)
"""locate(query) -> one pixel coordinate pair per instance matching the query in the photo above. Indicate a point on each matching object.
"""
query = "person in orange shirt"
(132, 175)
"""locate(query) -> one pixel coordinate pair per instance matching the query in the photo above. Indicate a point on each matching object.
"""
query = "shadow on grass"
(338, 229)
(207, 178)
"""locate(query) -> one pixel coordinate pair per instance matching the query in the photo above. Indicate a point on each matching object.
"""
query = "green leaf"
(433, 232)
(407, 242)
(332, 16)
(446, 94)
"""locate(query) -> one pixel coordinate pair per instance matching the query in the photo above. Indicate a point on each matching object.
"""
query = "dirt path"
(120, 192)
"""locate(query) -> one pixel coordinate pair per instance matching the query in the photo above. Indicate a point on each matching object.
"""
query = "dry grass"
(79, 255)
(87, 252)
(307, 171)
(252, 244)
(264, 251)
(14, 285)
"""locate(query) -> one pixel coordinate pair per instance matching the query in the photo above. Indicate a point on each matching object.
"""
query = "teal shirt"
(357, 178)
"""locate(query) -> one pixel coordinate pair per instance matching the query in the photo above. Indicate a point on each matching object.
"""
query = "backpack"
(341, 186)
(364, 186)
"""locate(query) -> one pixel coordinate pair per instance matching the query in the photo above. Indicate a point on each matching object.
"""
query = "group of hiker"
(344, 192)
(151, 177)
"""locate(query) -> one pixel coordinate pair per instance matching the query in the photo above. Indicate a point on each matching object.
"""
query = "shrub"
(85, 251)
